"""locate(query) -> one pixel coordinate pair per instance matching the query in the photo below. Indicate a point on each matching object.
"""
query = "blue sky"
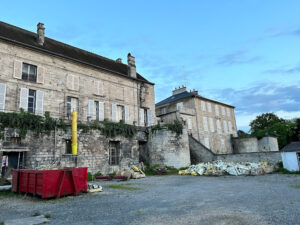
(245, 53)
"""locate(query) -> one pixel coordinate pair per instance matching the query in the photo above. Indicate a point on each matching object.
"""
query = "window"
(179, 105)
(120, 113)
(203, 106)
(209, 107)
(217, 110)
(205, 125)
(223, 111)
(72, 105)
(145, 117)
(163, 110)
(219, 129)
(97, 110)
(211, 125)
(68, 146)
(228, 112)
(29, 72)
(31, 101)
(114, 153)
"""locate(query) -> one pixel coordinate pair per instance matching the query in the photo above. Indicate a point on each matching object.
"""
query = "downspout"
(138, 102)
(196, 119)
(54, 149)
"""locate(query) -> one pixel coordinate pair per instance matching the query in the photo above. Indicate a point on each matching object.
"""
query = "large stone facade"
(211, 122)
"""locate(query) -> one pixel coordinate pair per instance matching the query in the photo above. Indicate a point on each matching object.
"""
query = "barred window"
(114, 153)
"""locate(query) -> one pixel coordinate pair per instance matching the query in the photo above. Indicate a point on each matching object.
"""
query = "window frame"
(27, 77)
(114, 153)
(34, 101)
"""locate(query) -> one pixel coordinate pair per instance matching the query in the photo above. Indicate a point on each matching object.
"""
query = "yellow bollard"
(74, 133)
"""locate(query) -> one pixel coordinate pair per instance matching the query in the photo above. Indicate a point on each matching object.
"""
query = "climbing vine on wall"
(25, 122)
(175, 127)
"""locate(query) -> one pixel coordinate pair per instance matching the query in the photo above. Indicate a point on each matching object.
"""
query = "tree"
(270, 124)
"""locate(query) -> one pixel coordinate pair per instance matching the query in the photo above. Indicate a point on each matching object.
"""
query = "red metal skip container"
(50, 183)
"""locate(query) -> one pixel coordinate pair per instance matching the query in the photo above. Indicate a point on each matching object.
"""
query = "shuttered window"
(223, 111)
(114, 112)
(209, 107)
(205, 125)
(2, 96)
(230, 127)
(39, 109)
(228, 112)
(126, 108)
(98, 88)
(179, 105)
(225, 126)
(189, 123)
(206, 142)
(73, 82)
(219, 129)
(149, 117)
(100, 111)
(203, 106)
(142, 116)
(24, 92)
(211, 125)
(217, 110)
(91, 110)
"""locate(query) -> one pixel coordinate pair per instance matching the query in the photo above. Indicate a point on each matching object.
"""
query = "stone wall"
(270, 157)
(199, 153)
(166, 148)
(252, 144)
(93, 151)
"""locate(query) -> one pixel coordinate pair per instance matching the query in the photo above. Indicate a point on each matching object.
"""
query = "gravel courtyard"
(268, 199)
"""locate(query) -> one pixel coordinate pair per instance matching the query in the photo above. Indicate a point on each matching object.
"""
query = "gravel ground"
(268, 199)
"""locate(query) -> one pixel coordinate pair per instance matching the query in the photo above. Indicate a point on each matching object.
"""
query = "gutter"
(72, 59)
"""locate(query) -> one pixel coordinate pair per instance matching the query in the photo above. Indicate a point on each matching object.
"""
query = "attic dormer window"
(29, 72)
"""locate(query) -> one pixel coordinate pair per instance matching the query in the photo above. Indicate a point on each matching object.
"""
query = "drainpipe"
(196, 119)
(138, 102)
(54, 149)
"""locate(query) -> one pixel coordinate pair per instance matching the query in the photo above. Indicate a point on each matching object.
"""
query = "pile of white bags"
(218, 168)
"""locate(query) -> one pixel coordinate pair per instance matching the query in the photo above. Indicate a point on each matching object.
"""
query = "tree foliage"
(270, 124)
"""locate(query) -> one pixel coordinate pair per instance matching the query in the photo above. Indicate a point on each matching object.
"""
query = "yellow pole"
(74, 133)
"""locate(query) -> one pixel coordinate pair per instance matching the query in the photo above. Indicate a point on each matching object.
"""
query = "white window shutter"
(91, 109)
(217, 110)
(126, 114)
(100, 88)
(114, 112)
(225, 126)
(24, 98)
(149, 117)
(230, 127)
(209, 107)
(223, 111)
(18, 69)
(206, 142)
(40, 75)
(189, 123)
(76, 83)
(142, 118)
(101, 111)
(228, 112)
(2, 97)
(205, 123)
(203, 105)
(219, 127)
(39, 102)
(211, 125)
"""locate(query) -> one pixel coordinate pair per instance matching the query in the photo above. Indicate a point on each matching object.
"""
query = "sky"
(244, 53)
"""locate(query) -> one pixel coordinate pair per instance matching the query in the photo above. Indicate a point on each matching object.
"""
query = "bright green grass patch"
(123, 187)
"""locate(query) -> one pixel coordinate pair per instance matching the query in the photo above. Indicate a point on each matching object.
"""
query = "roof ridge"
(63, 43)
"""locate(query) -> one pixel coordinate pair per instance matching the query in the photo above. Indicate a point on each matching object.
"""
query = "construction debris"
(92, 187)
(218, 168)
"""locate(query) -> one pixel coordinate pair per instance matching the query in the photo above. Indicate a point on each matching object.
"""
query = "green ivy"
(25, 122)
(175, 127)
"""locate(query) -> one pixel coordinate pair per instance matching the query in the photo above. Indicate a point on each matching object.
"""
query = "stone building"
(208, 121)
(39, 75)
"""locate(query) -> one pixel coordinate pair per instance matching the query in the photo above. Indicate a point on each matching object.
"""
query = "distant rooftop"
(182, 93)
(292, 147)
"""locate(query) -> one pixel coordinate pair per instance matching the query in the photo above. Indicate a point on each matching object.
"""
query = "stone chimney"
(179, 90)
(195, 91)
(40, 34)
(119, 60)
(131, 65)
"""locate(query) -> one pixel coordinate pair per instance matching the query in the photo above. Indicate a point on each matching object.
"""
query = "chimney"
(119, 60)
(131, 64)
(40, 34)
(179, 90)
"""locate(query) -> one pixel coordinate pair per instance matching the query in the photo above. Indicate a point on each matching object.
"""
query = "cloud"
(237, 57)
(290, 32)
(285, 70)
(261, 98)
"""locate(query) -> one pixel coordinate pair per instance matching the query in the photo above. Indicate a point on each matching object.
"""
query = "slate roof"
(27, 38)
(292, 147)
(183, 95)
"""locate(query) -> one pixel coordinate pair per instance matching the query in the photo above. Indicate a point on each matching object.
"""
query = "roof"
(183, 95)
(27, 39)
(292, 147)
